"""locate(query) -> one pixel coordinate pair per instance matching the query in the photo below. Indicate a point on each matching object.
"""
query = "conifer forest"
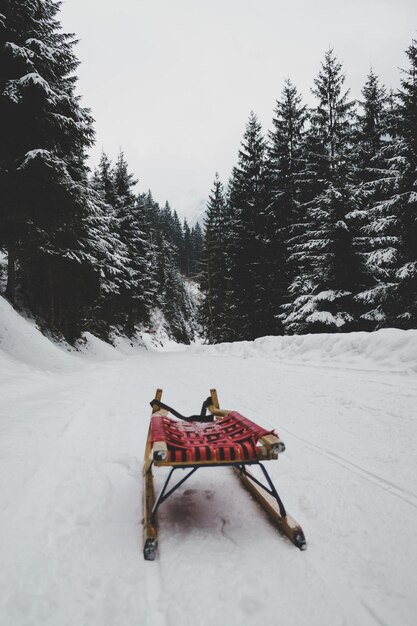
(315, 231)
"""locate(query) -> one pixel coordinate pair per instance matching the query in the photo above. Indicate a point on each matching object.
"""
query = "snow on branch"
(14, 87)
(385, 256)
(325, 317)
(409, 270)
(19, 52)
(34, 154)
(377, 293)
(41, 48)
(330, 295)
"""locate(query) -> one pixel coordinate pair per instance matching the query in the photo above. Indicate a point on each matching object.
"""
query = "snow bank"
(386, 349)
(21, 341)
(96, 349)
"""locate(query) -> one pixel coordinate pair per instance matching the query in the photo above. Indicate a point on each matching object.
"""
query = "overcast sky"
(172, 82)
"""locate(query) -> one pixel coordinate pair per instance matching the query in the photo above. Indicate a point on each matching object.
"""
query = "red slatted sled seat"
(230, 439)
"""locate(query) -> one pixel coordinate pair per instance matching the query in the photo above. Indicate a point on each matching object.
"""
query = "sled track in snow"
(403, 494)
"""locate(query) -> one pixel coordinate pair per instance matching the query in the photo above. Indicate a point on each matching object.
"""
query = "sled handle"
(214, 407)
(158, 396)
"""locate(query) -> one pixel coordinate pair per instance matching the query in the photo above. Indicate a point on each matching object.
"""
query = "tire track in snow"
(403, 494)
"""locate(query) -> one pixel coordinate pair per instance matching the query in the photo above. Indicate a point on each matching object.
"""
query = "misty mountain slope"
(71, 448)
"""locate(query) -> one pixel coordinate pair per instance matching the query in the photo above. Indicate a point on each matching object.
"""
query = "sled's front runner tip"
(222, 438)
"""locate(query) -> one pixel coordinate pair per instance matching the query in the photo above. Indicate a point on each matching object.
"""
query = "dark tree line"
(317, 229)
(315, 232)
(83, 253)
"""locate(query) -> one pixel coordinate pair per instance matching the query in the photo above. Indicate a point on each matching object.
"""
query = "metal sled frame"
(156, 454)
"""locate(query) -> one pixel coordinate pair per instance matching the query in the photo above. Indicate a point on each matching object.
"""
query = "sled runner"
(219, 439)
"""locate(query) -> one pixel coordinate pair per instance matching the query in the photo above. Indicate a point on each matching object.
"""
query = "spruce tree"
(215, 267)
(136, 293)
(109, 311)
(392, 227)
(371, 127)
(186, 251)
(371, 174)
(197, 246)
(406, 274)
(103, 180)
(250, 275)
(285, 155)
(177, 238)
(322, 250)
(43, 178)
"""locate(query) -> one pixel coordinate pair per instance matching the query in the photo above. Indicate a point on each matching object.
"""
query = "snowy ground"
(72, 433)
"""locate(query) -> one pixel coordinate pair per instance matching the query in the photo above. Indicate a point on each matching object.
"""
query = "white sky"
(172, 82)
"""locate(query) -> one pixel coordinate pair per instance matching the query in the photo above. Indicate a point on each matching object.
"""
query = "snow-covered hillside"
(72, 434)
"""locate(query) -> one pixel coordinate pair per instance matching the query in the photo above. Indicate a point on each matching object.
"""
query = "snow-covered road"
(71, 445)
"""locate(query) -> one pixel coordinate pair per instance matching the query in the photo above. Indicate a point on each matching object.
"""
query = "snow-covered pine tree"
(43, 178)
(197, 251)
(186, 251)
(103, 180)
(407, 271)
(124, 182)
(111, 261)
(285, 156)
(392, 300)
(136, 294)
(214, 272)
(322, 250)
(177, 234)
(168, 223)
(371, 137)
(113, 257)
(371, 127)
(250, 276)
(152, 211)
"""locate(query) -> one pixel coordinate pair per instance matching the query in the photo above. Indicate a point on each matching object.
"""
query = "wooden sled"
(221, 438)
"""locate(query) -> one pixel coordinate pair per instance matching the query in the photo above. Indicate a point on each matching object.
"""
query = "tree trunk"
(11, 273)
